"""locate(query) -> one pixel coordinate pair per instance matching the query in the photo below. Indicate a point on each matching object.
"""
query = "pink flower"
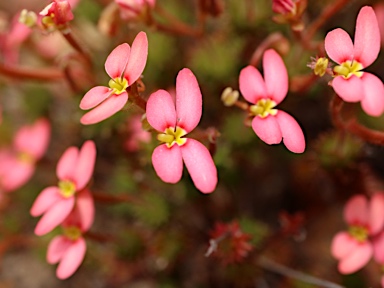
(354, 248)
(74, 171)
(18, 164)
(350, 82)
(56, 15)
(69, 249)
(137, 135)
(283, 6)
(270, 124)
(131, 9)
(174, 124)
(124, 65)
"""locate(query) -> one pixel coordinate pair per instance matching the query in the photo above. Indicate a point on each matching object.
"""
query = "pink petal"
(33, 139)
(267, 129)
(275, 75)
(72, 259)
(116, 62)
(54, 216)
(85, 165)
(94, 97)
(293, 136)
(373, 101)
(356, 210)
(350, 90)
(106, 109)
(161, 112)
(200, 165)
(138, 58)
(188, 100)
(357, 259)
(338, 45)
(376, 213)
(252, 85)
(343, 244)
(17, 174)
(168, 163)
(57, 248)
(67, 162)
(86, 209)
(46, 199)
(367, 36)
(378, 248)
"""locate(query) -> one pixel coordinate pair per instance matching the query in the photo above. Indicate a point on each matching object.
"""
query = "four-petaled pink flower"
(56, 15)
(270, 124)
(69, 249)
(354, 248)
(74, 171)
(132, 9)
(350, 82)
(124, 65)
(18, 163)
(174, 124)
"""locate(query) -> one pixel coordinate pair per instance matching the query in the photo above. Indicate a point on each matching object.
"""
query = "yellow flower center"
(72, 232)
(119, 85)
(25, 158)
(173, 135)
(349, 68)
(48, 22)
(67, 188)
(360, 233)
(28, 18)
(321, 66)
(263, 108)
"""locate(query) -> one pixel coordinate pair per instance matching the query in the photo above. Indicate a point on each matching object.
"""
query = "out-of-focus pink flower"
(137, 135)
(74, 171)
(132, 9)
(12, 40)
(69, 249)
(354, 248)
(174, 124)
(56, 15)
(18, 163)
(270, 124)
(350, 82)
(124, 65)
(379, 11)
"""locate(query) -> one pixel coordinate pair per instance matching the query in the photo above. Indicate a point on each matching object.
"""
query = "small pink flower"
(174, 124)
(354, 248)
(18, 164)
(132, 9)
(270, 124)
(69, 249)
(56, 15)
(350, 82)
(137, 135)
(283, 6)
(74, 171)
(124, 65)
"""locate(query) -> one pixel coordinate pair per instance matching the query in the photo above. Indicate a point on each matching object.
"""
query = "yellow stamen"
(263, 108)
(25, 157)
(360, 233)
(72, 232)
(321, 66)
(173, 135)
(119, 85)
(349, 68)
(67, 188)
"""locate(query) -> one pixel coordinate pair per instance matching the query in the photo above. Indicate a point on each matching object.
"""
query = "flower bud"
(229, 96)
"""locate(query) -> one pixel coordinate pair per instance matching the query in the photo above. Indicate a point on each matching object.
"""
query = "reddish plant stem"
(134, 95)
(41, 74)
(267, 43)
(327, 13)
(76, 45)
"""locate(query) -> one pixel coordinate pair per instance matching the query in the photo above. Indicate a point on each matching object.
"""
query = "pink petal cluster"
(132, 9)
(354, 248)
(350, 82)
(283, 6)
(18, 162)
(174, 120)
(56, 15)
(69, 249)
(55, 203)
(124, 65)
(137, 135)
(270, 124)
